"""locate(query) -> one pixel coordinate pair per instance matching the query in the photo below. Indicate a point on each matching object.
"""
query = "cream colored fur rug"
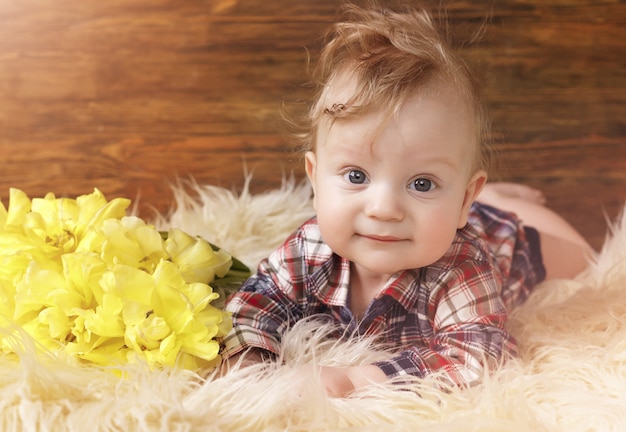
(570, 375)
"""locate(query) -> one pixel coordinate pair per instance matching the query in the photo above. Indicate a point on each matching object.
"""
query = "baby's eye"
(356, 176)
(422, 185)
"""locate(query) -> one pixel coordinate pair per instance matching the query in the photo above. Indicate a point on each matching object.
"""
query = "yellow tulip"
(196, 258)
(82, 278)
(103, 351)
(131, 242)
(58, 323)
(106, 320)
(19, 206)
(93, 210)
(3, 215)
(82, 272)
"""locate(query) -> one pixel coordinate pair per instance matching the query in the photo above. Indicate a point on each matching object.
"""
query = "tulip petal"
(84, 279)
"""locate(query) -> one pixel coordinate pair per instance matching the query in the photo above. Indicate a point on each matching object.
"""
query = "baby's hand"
(336, 381)
(340, 382)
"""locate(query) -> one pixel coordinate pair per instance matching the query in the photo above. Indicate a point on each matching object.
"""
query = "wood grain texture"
(128, 95)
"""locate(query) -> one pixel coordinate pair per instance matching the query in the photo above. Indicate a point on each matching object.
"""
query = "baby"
(404, 245)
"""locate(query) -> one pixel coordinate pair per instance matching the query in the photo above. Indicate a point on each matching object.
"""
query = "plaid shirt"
(447, 318)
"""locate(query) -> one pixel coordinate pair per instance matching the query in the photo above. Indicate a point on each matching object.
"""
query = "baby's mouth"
(381, 238)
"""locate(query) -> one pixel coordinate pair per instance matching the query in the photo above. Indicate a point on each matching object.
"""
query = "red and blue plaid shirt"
(448, 317)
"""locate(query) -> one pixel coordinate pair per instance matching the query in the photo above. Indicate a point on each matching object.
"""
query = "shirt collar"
(330, 283)
(403, 288)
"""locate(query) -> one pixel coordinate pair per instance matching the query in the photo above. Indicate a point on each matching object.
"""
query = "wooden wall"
(126, 95)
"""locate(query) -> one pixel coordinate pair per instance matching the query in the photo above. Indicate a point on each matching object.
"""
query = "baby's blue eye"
(422, 185)
(356, 177)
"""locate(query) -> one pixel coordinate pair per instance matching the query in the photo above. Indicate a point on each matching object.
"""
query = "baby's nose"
(384, 204)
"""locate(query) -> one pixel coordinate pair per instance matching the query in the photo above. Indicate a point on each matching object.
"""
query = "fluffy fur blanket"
(570, 374)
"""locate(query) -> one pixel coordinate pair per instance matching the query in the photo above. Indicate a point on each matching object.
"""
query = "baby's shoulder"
(467, 259)
(469, 247)
(488, 235)
(491, 223)
(305, 245)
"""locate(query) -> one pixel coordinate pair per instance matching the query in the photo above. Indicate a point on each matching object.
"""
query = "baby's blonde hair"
(391, 54)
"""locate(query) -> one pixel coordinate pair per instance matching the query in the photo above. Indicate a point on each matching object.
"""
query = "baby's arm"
(261, 312)
(467, 316)
(468, 319)
(266, 305)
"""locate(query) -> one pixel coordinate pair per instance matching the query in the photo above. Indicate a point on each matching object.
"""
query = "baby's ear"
(310, 166)
(474, 186)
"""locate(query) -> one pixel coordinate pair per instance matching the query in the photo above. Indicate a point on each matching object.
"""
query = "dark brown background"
(126, 95)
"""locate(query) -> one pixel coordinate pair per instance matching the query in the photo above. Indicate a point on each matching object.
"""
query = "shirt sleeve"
(268, 303)
(468, 319)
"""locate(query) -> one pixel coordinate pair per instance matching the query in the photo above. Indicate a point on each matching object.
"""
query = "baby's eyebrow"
(439, 161)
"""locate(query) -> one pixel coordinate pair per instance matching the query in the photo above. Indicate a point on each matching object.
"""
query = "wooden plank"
(126, 95)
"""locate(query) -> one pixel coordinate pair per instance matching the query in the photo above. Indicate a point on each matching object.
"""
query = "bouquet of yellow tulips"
(85, 280)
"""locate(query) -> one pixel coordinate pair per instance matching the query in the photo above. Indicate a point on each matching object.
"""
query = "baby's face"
(390, 194)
